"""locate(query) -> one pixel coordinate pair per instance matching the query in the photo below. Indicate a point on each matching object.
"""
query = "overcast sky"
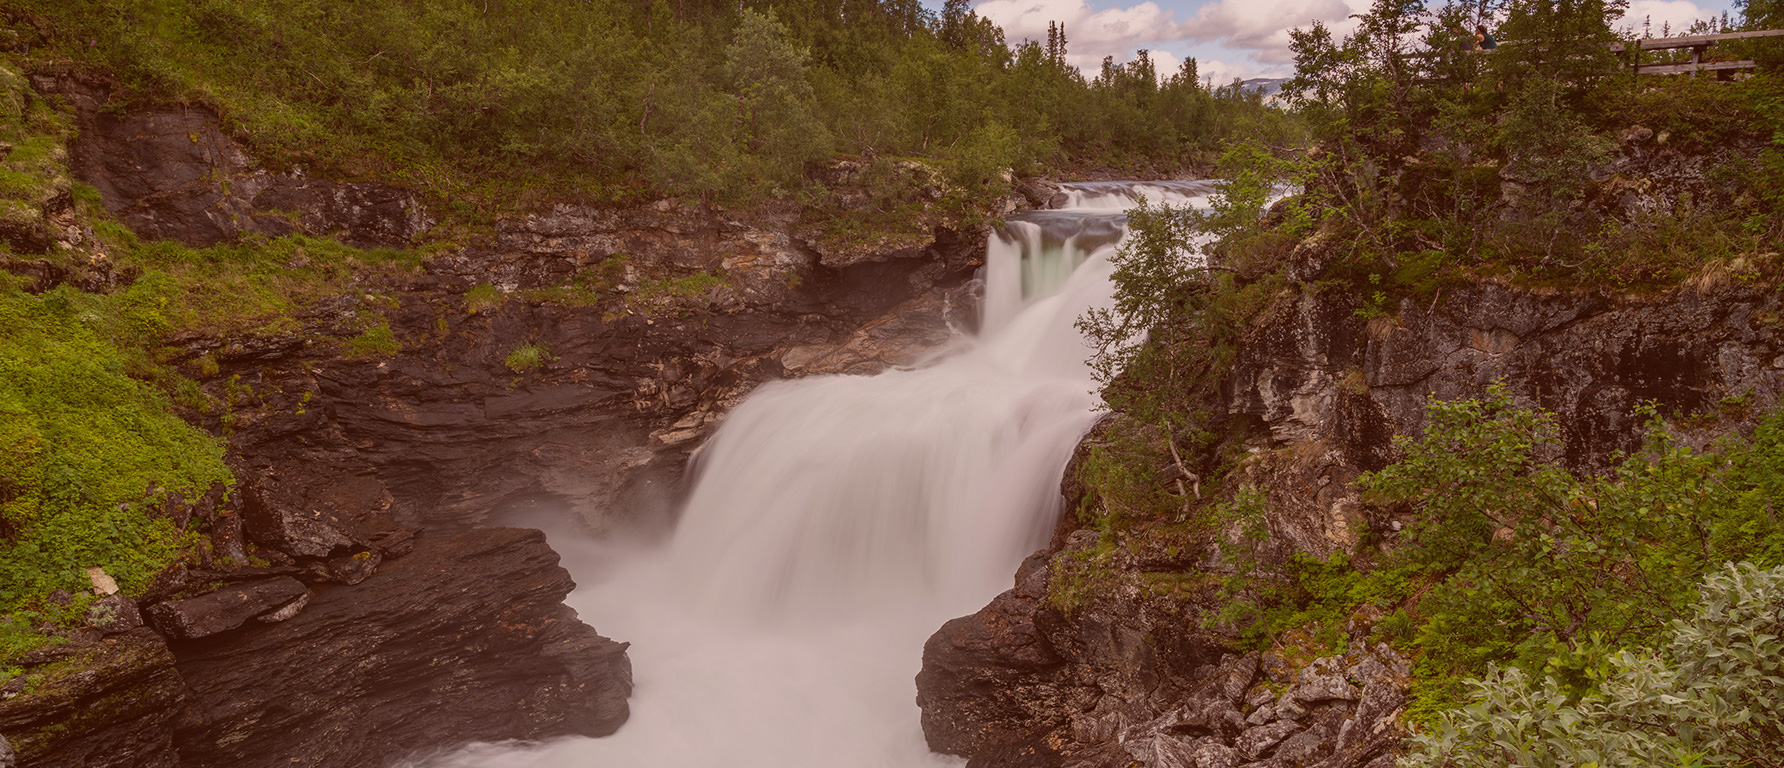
(1228, 38)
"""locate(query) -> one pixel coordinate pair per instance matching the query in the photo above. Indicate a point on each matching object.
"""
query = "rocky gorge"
(350, 603)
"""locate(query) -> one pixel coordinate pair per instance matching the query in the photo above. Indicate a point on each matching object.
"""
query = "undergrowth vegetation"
(1711, 695)
(87, 448)
(1525, 564)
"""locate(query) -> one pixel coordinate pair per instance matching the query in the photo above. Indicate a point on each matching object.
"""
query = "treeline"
(1518, 160)
(615, 98)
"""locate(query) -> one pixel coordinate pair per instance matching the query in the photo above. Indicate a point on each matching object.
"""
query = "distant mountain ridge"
(1269, 85)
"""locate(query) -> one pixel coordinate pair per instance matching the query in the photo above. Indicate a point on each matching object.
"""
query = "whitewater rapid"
(837, 521)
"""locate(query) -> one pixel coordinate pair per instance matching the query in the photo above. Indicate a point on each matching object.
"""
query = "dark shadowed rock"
(1037, 749)
(174, 174)
(278, 515)
(990, 678)
(119, 711)
(1304, 748)
(354, 568)
(465, 638)
(224, 609)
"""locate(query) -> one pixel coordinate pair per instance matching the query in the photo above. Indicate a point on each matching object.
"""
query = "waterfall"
(836, 521)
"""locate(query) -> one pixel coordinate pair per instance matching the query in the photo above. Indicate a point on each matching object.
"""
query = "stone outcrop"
(175, 174)
(453, 638)
(1312, 371)
(1023, 684)
(993, 675)
(273, 599)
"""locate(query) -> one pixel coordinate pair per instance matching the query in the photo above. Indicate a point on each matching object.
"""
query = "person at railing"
(1464, 40)
(1483, 40)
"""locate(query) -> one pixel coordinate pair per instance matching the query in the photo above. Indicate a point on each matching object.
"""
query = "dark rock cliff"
(1137, 674)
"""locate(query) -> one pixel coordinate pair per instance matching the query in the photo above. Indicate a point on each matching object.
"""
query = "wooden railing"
(1697, 43)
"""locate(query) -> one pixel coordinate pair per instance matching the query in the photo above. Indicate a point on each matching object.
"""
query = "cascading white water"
(837, 521)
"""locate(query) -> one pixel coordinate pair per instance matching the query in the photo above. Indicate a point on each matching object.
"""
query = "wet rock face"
(410, 658)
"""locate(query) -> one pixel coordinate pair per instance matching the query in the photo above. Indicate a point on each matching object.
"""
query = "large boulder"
(992, 675)
(465, 638)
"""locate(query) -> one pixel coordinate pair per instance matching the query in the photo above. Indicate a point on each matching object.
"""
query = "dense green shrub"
(85, 450)
(1536, 567)
(1713, 696)
(527, 357)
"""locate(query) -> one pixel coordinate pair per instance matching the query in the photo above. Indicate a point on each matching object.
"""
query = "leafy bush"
(527, 357)
(85, 450)
(1535, 567)
(1713, 696)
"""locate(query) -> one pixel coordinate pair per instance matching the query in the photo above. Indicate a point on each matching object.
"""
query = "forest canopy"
(618, 99)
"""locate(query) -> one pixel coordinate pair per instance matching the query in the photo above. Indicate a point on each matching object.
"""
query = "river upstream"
(837, 521)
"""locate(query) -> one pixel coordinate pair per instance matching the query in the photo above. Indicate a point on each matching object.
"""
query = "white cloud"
(1263, 25)
(1659, 14)
(1145, 22)
(1252, 29)
(1091, 34)
(1218, 73)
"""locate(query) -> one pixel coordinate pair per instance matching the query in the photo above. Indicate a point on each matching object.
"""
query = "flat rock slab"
(466, 638)
(224, 609)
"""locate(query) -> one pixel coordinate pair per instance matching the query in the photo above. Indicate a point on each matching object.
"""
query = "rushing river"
(837, 521)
